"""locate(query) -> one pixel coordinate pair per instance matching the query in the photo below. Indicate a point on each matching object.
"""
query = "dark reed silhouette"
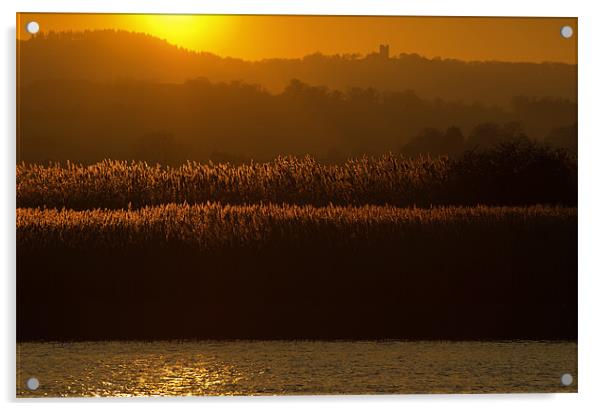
(273, 272)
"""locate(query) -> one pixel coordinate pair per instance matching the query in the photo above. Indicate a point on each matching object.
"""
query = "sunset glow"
(192, 32)
(259, 37)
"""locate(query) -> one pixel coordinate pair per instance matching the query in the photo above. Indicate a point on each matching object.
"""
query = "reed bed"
(289, 271)
(484, 247)
(118, 184)
(213, 225)
(506, 176)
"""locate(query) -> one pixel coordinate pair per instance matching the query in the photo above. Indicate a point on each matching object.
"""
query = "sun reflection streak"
(163, 377)
(119, 369)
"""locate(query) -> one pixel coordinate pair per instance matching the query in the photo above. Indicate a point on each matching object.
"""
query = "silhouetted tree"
(487, 135)
(515, 172)
(434, 142)
(564, 137)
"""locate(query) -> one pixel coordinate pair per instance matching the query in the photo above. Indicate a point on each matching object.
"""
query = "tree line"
(87, 121)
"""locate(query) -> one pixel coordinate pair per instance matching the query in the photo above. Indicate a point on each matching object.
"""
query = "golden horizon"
(255, 38)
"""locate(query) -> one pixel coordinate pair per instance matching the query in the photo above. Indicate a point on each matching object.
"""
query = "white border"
(590, 149)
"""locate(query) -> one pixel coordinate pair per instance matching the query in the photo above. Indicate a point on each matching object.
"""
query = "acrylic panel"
(293, 205)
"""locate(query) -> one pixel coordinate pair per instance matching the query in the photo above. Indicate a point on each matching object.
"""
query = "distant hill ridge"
(108, 55)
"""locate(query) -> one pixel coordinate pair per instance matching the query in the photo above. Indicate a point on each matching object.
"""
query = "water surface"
(293, 367)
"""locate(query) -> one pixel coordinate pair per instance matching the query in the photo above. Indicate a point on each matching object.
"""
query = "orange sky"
(257, 37)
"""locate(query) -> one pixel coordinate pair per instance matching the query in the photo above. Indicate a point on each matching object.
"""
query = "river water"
(169, 368)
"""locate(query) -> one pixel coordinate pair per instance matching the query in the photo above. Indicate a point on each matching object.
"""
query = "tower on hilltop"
(383, 51)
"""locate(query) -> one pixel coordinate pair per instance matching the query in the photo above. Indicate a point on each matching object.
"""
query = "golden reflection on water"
(127, 369)
(176, 380)
(124, 369)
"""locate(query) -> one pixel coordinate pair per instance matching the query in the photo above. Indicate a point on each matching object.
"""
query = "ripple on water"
(297, 367)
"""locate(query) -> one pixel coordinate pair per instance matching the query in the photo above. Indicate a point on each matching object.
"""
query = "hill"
(110, 55)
